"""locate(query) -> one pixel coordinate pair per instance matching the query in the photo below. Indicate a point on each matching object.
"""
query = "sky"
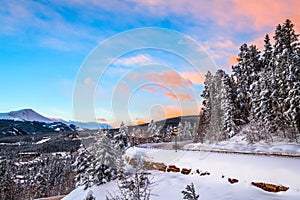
(44, 45)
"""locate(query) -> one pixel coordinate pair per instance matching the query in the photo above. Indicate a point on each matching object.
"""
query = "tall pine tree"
(205, 110)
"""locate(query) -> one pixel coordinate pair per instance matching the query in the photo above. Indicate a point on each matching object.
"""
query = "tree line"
(261, 97)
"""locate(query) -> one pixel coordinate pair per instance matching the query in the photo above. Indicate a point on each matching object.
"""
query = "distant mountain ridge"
(28, 122)
(29, 115)
(10, 127)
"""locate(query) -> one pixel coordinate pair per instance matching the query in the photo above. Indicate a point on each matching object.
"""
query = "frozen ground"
(245, 168)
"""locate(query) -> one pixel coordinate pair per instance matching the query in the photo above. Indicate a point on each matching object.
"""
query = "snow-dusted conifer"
(187, 131)
(205, 113)
(190, 193)
(291, 53)
(83, 165)
(122, 137)
(241, 74)
(180, 130)
(169, 133)
(284, 51)
(261, 92)
(228, 106)
(105, 160)
(154, 131)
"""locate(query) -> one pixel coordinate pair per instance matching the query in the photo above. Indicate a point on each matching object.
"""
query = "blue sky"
(44, 44)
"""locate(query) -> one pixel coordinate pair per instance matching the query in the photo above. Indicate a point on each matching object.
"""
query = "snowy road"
(165, 145)
(235, 145)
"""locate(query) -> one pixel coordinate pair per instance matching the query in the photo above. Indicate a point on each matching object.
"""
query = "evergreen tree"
(151, 127)
(6, 181)
(122, 137)
(169, 133)
(292, 99)
(228, 105)
(262, 95)
(219, 118)
(190, 193)
(154, 131)
(100, 163)
(241, 75)
(217, 112)
(187, 130)
(245, 74)
(267, 54)
(284, 64)
(84, 165)
(205, 113)
(105, 162)
(180, 129)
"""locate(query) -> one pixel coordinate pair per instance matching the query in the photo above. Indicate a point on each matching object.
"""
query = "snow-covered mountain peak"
(25, 115)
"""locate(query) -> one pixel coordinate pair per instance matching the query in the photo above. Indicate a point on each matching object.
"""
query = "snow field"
(245, 168)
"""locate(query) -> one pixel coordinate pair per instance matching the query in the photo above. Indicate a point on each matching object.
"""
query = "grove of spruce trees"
(262, 95)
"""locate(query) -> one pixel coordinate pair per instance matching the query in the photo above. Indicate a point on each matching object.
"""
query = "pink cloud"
(169, 78)
(195, 78)
(122, 89)
(152, 89)
(170, 94)
(180, 96)
(101, 119)
(237, 14)
(175, 111)
(266, 12)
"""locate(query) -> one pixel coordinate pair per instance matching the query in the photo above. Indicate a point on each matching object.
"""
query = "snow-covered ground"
(45, 139)
(245, 168)
(239, 144)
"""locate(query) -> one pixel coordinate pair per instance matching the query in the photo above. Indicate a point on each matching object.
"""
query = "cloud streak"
(237, 14)
(138, 60)
(180, 96)
(149, 88)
